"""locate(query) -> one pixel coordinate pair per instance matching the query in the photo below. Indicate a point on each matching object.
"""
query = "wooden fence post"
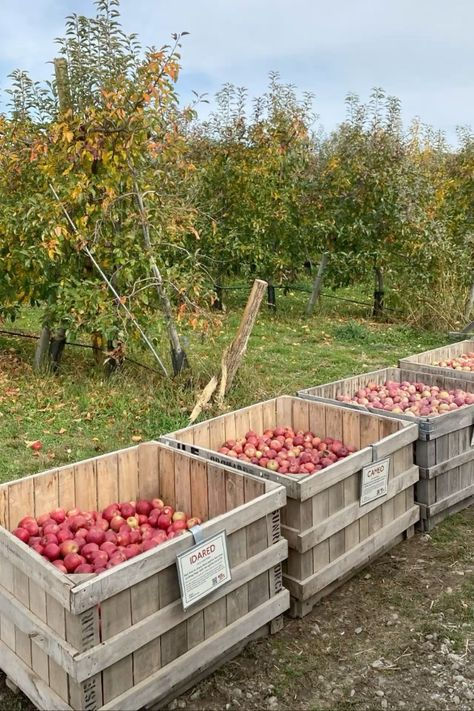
(317, 284)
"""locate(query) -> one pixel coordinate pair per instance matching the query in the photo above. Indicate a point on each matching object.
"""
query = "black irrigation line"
(305, 289)
(79, 345)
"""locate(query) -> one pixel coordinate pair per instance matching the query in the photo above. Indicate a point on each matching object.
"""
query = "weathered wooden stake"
(317, 284)
(379, 292)
(232, 356)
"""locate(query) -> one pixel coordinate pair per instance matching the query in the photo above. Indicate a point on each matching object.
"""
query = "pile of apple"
(462, 362)
(285, 451)
(78, 541)
(412, 399)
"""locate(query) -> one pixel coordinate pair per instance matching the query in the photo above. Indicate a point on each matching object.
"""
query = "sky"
(419, 50)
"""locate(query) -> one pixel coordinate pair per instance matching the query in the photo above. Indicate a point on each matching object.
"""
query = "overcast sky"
(420, 50)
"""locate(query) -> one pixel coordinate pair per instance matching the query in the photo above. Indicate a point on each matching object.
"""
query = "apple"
(58, 515)
(38, 547)
(72, 561)
(88, 550)
(168, 511)
(116, 522)
(127, 509)
(108, 547)
(132, 522)
(59, 565)
(179, 525)
(64, 535)
(164, 521)
(149, 544)
(132, 550)
(95, 535)
(41, 520)
(123, 538)
(179, 516)
(110, 511)
(84, 568)
(68, 546)
(144, 507)
(157, 503)
(194, 521)
(77, 522)
(102, 523)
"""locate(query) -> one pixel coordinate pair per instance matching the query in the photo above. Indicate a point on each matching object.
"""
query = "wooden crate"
(121, 639)
(330, 535)
(424, 362)
(444, 450)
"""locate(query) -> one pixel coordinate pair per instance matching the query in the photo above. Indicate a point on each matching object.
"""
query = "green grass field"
(80, 413)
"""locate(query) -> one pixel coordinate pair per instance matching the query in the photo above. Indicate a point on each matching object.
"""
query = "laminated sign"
(203, 568)
(374, 483)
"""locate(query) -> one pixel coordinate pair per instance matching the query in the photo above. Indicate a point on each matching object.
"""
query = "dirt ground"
(398, 636)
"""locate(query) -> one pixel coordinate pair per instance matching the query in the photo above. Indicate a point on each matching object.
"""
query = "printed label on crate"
(203, 568)
(374, 481)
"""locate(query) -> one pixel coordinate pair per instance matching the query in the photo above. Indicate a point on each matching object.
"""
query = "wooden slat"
(355, 557)
(36, 689)
(157, 686)
(107, 480)
(85, 478)
(66, 488)
(167, 467)
(145, 601)
(148, 480)
(199, 489)
(182, 483)
(83, 633)
(116, 616)
(128, 474)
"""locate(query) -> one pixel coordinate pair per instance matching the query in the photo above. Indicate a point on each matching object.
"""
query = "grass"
(80, 413)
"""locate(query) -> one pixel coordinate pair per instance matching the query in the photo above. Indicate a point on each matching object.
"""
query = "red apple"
(88, 550)
(111, 536)
(179, 516)
(67, 547)
(59, 565)
(157, 503)
(51, 551)
(110, 511)
(38, 547)
(127, 509)
(123, 538)
(117, 558)
(116, 522)
(41, 520)
(164, 521)
(102, 523)
(132, 550)
(58, 515)
(48, 538)
(72, 512)
(64, 535)
(84, 568)
(179, 525)
(142, 519)
(144, 507)
(95, 535)
(99, 558)
(168, 511)
(72, 561)
(77, 522)
(135, 535)
(108, 547)
(50, 528)
(149, 544)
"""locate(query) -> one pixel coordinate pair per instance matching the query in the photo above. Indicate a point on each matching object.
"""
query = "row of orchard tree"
(119, 207)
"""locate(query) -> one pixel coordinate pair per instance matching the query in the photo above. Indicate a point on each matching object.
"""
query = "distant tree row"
(115, 199)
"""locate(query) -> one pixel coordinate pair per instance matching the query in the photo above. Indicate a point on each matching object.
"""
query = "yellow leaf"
(68, 135)
(137, 438)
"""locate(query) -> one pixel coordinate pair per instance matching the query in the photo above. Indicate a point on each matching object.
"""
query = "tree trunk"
(271, 297)
(317, 284)
(470, 302)
(56, 348)
(218, 304)
(378, 292)
(179, 359)
(41, 358)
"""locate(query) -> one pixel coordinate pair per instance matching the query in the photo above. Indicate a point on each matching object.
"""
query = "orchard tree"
(253, 175)
(109, 137)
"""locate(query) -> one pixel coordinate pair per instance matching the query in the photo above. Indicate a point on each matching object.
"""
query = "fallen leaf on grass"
(62, 430)
(137, 438)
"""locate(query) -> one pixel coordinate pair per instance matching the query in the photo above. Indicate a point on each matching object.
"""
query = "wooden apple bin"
(444, 450)
(330, 535)
(425, 362)
(121, 639)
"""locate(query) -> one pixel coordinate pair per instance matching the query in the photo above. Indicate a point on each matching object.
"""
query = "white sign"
(203, 568)
(374, 482)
